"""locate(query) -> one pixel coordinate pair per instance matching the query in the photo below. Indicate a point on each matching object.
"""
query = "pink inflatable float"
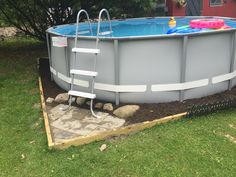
(208, 23)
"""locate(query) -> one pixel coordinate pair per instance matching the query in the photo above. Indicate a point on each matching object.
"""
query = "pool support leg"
(232, 55)
(183, 66)
(117, 70)
(49, 53)
(67, 61)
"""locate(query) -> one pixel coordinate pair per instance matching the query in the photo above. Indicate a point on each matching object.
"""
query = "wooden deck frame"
(99, 136)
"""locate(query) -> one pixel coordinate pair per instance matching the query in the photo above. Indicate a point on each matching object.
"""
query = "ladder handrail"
(99, 20)
(77, 24)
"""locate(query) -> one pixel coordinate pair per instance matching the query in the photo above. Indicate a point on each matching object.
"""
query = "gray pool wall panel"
(207, 56)
(145, 66)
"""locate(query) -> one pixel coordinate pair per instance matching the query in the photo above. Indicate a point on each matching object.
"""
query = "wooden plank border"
(45, 115)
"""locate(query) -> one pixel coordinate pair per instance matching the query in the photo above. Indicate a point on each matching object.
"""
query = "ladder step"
(82, 94)
(83, 72)
(86, 50)
(105, 33)
(83, 32)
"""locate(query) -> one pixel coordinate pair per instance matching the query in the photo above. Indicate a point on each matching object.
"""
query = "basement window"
(216, 2)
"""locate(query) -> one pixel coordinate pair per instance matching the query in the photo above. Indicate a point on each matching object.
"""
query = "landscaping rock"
(49, 100)
(126, 111)
(80, 100)
(88, 102)
(98, 105)
(103, 147)
(22, 156)
(108, 107)
(62, 98)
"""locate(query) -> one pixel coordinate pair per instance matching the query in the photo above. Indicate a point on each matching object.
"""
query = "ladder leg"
(70, 101)
(92, 91)
(91, 109)
(69, 106)
(70, 98)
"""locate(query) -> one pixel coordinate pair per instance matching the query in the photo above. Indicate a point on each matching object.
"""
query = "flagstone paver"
(77, 122)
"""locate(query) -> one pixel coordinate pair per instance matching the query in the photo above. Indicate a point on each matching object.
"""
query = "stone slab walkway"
(79, 122)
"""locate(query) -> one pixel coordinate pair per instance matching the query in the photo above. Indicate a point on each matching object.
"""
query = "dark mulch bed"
(147, 112)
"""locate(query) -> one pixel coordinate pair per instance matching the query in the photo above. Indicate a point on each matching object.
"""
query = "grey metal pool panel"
(207, 56)
(148, 62)
(141, 70)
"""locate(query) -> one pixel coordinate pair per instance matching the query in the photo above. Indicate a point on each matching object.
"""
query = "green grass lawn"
(189, 147)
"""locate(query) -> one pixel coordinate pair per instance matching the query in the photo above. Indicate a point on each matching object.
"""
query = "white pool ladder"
(76, 50)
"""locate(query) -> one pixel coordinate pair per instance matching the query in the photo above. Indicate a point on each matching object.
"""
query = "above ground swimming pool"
(140, 63)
